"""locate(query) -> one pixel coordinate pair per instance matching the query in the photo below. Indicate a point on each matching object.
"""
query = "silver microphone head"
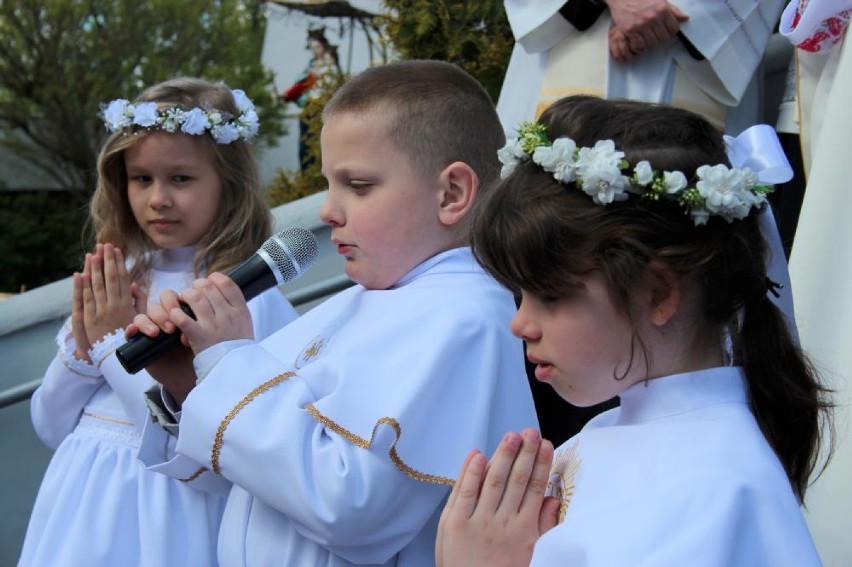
(292, 251)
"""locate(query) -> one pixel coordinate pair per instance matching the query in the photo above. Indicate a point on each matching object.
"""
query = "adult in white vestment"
(821, 260)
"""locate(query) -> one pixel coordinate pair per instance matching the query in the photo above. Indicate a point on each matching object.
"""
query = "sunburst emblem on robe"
(311, 352)
(562, 474)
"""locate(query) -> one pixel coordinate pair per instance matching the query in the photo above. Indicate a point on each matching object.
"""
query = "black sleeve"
(582, 13)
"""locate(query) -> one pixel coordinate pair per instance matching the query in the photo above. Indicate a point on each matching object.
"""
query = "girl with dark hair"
(637, 255)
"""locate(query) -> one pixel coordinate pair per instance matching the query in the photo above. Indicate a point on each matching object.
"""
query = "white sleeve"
(732, 36)
(257, 432)
(66, 388)
(270, 311)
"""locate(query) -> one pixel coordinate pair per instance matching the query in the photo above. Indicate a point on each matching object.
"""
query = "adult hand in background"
(640, 24)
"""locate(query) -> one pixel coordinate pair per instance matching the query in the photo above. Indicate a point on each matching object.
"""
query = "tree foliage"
(291, 185)
(41, 238)
(474, 35)
(61, 59)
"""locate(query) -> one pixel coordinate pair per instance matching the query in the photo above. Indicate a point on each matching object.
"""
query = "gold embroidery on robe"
(310, 352)
(109, 419)
(562, 475)
(220, 433)
(366, 443)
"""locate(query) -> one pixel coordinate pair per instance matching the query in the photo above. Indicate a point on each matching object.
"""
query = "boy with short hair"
(343, 431)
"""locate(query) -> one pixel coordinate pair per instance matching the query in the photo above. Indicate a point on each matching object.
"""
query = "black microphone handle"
(141, 350)
(253, 277)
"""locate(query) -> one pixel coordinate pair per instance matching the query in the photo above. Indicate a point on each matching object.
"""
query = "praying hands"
(497, 510)
(641, 24)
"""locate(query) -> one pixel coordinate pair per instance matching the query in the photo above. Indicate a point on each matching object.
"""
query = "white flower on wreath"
(603, 155)
(510, 155)
(224, 133)
(172, 120)
(674, 182)
(243, 102)
(195, 122)
(605, 185)
(600, 172)
(215, 117)
(116, 114)
(558, 159)
(249, 123)
(724, 191)
(145, 114)
(699, 216)
(642, 173)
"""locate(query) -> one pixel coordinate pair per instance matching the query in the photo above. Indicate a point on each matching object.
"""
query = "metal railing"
(297, 298)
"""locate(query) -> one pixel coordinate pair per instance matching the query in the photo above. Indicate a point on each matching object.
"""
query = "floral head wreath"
(223, 127)
(599, 172)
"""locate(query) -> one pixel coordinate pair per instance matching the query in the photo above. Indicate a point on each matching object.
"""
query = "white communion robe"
(343, 432)
(552, 59)
(97, 505)
(679, 474)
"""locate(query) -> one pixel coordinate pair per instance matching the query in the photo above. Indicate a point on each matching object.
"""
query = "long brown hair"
(539, 235)
(243, 221)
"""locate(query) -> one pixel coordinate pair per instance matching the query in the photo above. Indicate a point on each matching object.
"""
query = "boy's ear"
(665, 294)
(459, 184)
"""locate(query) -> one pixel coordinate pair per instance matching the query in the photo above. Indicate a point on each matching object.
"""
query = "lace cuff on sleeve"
(106, 346)
(66, 354)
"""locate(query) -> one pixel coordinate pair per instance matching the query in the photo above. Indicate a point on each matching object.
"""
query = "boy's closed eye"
(359, 184)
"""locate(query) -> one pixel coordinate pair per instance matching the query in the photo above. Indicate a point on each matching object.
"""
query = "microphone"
(282, 258)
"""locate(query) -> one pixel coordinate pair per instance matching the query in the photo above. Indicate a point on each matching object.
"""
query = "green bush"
(474, 35)
(42, 238)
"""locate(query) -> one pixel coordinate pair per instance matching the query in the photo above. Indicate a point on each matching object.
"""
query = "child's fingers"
(224, 310)
(228, 288)
(457, 485)
(140, 298)
(499, 469)
(453, 512)
(117, 288)
(467, 487)
(549, 514)
(78, 325)
(77, 298)
(88, 296)
(141, 324)
(96, 265)
(518, 483)
(156, 317)
(537, 483)
(112, 287)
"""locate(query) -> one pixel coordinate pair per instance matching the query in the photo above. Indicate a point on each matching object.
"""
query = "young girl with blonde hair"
(178, 196)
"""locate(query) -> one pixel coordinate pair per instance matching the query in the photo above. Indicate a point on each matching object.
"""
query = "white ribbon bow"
(759, 149)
